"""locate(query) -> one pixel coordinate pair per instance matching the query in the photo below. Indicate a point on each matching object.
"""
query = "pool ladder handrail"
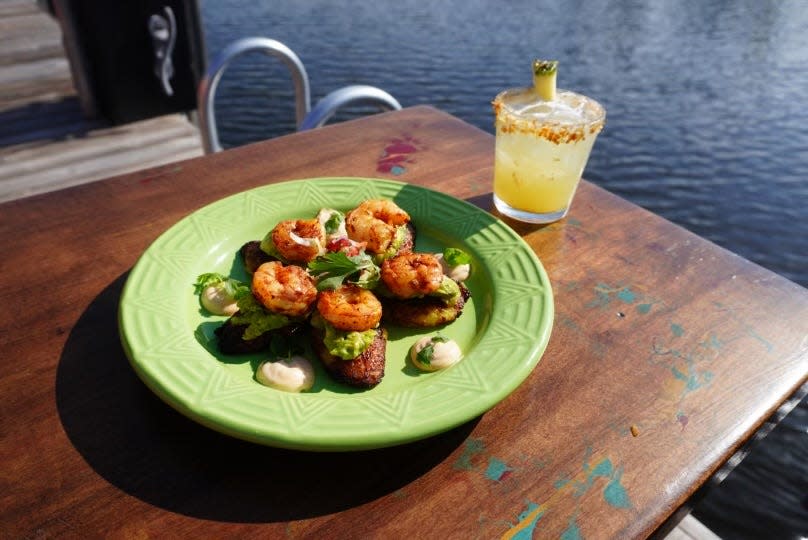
(305, 117)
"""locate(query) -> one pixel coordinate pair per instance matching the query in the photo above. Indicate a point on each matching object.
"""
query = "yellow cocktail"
(543, 141)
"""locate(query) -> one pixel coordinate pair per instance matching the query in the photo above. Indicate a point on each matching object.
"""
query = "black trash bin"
(133, 59)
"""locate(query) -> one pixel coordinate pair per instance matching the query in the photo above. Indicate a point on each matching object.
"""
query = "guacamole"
(449, 290)
(342, 343)
(268, 247)
(258, 319)
(395, 245)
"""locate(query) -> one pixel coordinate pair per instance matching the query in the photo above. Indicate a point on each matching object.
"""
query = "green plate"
(169, 339)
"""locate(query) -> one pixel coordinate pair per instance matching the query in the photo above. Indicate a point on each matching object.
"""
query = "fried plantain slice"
(424, 312)
(253, 256)
(364, 371)
(231, 341)
(230, 337)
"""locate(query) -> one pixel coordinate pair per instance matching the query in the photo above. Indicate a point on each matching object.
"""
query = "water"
(707, 126)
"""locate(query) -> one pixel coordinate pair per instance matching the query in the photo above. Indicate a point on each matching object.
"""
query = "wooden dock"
(46, 141)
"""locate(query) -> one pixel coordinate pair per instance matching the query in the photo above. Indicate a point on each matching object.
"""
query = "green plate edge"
(510, 320)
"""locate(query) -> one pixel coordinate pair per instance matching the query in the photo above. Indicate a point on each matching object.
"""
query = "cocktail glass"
(543, 140)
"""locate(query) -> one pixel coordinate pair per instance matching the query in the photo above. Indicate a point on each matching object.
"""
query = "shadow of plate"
(147, 449)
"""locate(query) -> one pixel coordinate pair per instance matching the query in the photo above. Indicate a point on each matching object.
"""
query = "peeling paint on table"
(614, 494)
(397, 154)
(689, 358)
(690, 366)
(622, 295)
(686, 355)
(497, 470)
(471, 448)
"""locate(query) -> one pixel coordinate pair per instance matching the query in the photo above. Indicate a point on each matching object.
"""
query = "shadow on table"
(144, 447)
(485, 202)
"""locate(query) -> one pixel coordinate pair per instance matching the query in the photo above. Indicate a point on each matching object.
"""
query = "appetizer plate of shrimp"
(171, 339)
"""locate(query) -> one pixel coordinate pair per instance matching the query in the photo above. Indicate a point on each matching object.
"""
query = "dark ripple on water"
(706, 126)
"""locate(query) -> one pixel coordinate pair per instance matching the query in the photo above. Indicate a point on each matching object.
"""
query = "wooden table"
(666, 354)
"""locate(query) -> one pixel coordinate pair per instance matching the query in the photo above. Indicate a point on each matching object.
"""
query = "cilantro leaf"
(425, 354)
(232, 287)
(456, 257)
(203, 281)
(333, 223)
(329, 283)
(336, 263)
(333, 269)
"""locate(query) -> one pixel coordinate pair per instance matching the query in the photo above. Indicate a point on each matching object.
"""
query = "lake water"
(707, 126)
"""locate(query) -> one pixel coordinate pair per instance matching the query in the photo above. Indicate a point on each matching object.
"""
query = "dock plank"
(27, 34)
(46, 141)
(12, 8)
(41, 80)
(29, 169)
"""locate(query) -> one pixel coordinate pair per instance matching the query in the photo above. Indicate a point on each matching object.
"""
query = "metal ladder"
(306, 117)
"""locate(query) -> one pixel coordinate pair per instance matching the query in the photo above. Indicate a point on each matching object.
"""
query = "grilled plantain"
(231, 339)
(424, 312)
(364, 371)
(253, 256)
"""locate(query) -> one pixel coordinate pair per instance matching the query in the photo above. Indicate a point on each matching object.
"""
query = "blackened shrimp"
(299, 240)
(288, 290)
(374, 222)
(350, 308)
(410, 275)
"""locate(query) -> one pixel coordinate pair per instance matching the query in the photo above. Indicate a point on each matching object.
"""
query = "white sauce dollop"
(444, 353)
(458, 273)
(324, 215)
(295, 374)
(216, 300)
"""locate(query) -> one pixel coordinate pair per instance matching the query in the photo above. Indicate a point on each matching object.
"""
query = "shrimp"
(374, 222)
(299, 240)
(410, 275)
(288, 290)
(350, 308)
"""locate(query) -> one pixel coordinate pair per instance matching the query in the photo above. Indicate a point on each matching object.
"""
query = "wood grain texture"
(59, 161)
(46, 140)
(33, 66)
(667, 352)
